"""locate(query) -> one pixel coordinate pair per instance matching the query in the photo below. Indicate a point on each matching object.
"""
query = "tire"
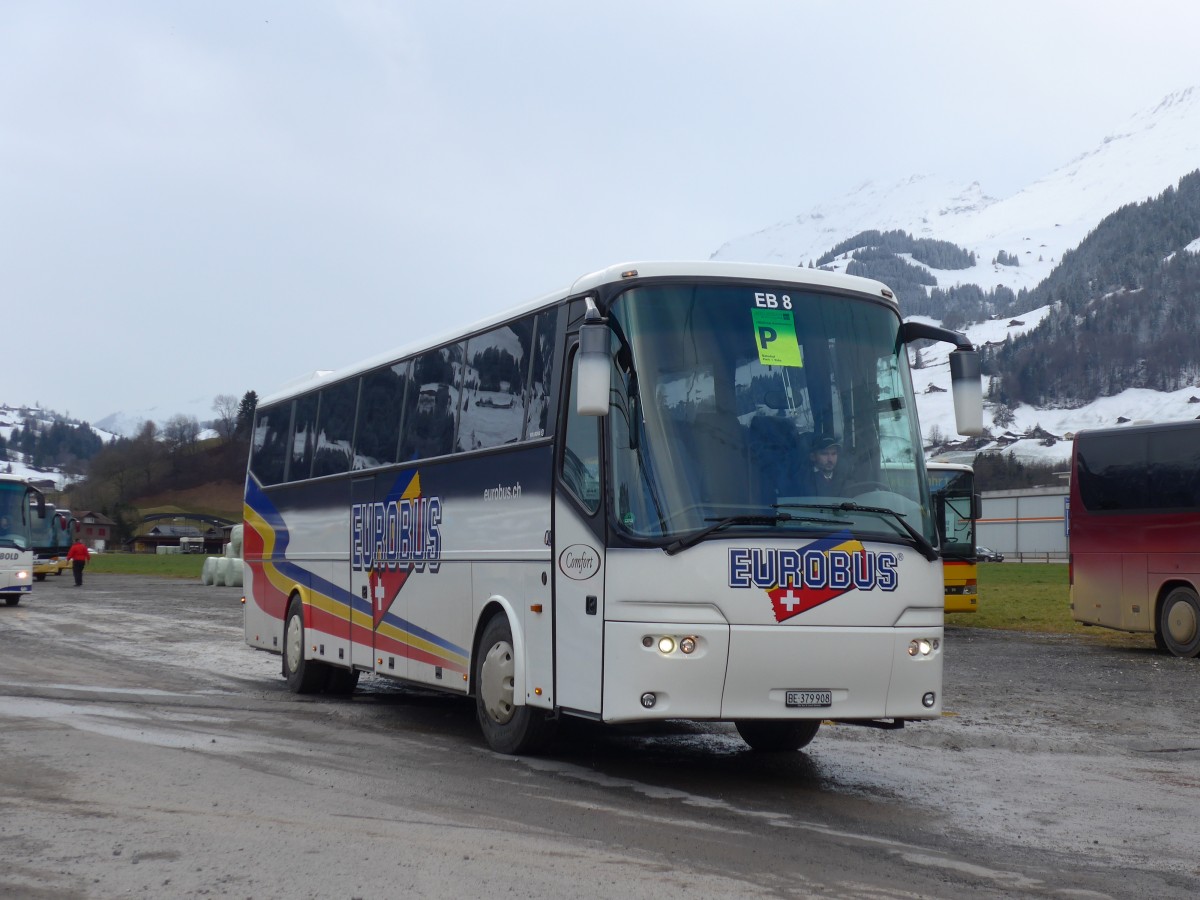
(1179, 622)
(304, 676)
(39, 576)
(341, 681)
(778, 737)
(507, 726)
(12, 599)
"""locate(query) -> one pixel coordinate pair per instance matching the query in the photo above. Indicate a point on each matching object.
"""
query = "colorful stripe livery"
(331, 608)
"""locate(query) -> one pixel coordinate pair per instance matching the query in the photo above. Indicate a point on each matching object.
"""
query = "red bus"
(1134, 536)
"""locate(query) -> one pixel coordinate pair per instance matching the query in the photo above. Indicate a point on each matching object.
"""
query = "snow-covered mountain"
(1144, 157)
(127, 423)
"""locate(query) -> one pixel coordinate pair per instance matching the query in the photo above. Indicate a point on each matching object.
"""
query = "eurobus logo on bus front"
(799, 580)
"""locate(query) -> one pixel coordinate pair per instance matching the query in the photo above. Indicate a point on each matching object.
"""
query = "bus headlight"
(921, 647)
(687, 644)
(666, 644)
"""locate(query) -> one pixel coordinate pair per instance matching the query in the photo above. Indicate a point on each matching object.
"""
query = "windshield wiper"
(927, 549)
(696, 537)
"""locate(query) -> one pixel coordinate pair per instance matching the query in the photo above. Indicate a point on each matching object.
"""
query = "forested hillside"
(1126, 310)
(1126, 303)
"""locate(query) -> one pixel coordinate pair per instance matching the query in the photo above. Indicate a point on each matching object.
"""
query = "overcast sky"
(211, 197)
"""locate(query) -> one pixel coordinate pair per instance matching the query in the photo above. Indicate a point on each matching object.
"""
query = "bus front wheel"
(12, 599)
(1179, 622)
(304, 676)
(777, 737)
(508, 727)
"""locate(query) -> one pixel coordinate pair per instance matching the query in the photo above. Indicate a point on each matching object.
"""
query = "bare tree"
(181, 432)
(226, 408)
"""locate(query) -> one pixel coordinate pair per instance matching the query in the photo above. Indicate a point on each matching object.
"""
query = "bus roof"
(947, 466)
(1137, 426)
(613, 274)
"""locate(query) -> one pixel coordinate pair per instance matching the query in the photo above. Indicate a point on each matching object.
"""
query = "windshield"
(952, 491)
(14, 515)
(52, 532)
(750, 401)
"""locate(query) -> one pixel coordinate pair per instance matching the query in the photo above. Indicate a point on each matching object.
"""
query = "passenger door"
(579, 562)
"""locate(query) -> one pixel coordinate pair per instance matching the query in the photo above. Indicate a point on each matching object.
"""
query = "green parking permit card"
(775, 336)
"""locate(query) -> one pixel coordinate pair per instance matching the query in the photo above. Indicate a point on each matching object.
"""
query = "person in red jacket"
(79, 556)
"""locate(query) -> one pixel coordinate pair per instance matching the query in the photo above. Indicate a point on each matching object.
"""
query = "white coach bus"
(601, 505)
(22, 506)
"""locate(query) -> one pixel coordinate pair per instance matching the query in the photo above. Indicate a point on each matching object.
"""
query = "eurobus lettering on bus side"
(663, 553)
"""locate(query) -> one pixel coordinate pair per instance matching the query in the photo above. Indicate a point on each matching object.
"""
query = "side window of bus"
(537, 420)
(429, 418)
(377, 436)
(493, 408)
(581, 451)
(269, 451)
(303, 437)
(335, 428)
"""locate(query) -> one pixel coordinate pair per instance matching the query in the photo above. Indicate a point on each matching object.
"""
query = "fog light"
(648, 700)
(647, 641)
(688, 644)
(929, 699)
(666, 644)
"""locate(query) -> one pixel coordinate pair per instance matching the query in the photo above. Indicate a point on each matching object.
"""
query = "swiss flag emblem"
(791, 601)
(385, 585)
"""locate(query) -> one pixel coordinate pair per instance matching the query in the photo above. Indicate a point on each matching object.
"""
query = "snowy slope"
(936, 408)
(1150, 153)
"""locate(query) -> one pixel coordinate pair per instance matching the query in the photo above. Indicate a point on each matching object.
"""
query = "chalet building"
(95, 529)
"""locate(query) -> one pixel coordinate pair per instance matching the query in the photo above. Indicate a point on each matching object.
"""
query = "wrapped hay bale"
(234, 548)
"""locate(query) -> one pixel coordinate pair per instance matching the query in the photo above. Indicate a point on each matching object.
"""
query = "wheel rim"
(292, 643)
(496, 677)
(1182, 623)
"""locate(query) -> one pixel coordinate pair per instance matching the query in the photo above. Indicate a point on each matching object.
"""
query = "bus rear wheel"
(507, 726)
(777, 737)
(1179, 622)
(304, 676)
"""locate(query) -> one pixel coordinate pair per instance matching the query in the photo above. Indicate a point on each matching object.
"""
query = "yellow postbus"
(956, 508)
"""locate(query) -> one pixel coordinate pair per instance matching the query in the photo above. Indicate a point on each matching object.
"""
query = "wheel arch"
(500, 605)
(295, 592)
(1165, 588)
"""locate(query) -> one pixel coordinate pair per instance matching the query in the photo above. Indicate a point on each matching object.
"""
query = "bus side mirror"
(977, 506)
(967, 391)
(964, 373)
(595, 368)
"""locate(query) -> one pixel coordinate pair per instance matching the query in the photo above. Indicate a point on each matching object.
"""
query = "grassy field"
(1033, 597)
(171, 565)
(1012, 596)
